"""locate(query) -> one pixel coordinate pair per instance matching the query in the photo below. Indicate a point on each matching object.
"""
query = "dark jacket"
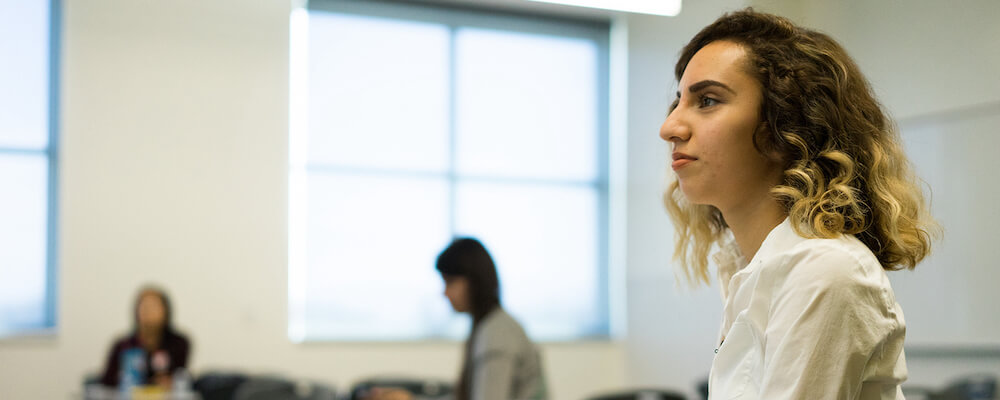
(171, 355)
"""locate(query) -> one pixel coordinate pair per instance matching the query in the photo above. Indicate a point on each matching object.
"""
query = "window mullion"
(452, 131)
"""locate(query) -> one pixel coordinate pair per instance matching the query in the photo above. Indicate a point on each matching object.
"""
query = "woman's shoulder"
(178, 339)
(499, 330)
(499, 321)
(786, 253)
(842, 256)
(843, 264)
(834, 278)
(125, 341)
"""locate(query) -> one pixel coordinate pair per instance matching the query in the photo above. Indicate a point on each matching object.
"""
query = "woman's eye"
(708, 102)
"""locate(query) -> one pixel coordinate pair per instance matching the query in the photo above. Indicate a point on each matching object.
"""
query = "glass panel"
(23, 210)
(24, 78)
(545, 242)
(372, 243)
(526, 105)
(378, 93)
(380, 111)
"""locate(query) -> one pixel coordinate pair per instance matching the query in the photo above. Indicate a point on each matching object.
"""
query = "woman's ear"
(767, 144)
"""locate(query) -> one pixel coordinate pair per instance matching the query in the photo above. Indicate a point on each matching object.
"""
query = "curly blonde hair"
(844, 167)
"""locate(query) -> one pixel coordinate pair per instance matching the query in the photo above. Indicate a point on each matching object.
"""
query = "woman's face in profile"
(152, 312)
(456, 289)
(711, 130)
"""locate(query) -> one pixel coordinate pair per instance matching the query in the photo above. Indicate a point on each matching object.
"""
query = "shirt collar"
(780, 238)
(730, 259)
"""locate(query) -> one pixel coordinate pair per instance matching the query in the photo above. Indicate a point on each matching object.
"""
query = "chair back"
(266, 388)
(218, 385)
(420, 388)
(641, 394)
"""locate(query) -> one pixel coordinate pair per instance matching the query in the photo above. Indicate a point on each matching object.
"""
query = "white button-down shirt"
(807, 319)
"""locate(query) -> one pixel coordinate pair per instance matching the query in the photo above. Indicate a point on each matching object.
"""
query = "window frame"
(50, 324)
(455, 18)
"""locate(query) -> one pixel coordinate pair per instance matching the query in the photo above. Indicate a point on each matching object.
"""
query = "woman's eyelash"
(706, 99)
(702, 100)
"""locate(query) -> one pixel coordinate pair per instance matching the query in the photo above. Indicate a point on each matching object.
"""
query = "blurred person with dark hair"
(499, 362)
(163, 350)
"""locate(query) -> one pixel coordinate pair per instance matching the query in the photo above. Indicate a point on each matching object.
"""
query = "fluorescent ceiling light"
(669, 8)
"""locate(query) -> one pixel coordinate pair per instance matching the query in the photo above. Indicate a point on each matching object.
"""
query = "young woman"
(500, 362)
(162, 350)
(787, 164)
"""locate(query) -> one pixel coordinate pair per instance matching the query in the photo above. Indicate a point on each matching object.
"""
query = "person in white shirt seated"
(786, 163)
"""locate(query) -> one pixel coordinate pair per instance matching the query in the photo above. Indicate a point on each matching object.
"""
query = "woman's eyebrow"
(702, 85)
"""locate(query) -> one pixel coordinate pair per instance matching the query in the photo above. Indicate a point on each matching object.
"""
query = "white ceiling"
(530, 7)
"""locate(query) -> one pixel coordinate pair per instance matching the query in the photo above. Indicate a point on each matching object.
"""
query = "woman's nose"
(674, 128)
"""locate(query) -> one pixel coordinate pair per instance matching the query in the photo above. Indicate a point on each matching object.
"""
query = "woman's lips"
(680, 160)
(678, 164)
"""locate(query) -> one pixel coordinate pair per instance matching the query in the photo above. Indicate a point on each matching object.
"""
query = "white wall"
(922, 56)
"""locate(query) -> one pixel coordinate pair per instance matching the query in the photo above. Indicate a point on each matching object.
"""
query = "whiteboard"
(952, 299)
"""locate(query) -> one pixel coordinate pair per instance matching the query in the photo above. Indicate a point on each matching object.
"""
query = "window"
(27, 167)
(411, 125)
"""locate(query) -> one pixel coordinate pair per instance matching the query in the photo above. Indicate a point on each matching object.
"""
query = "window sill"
(39, 336)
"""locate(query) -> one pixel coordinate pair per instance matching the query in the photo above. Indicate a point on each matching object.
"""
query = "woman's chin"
(694, 197)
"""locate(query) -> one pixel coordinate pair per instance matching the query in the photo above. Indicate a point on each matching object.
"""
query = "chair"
(92, 379)
(316, 391)
(911, 392)
(703, 389)
(93, 389)
(420, 388)
(641, 394)
(218, 385)
(266, 388)
(973, 387)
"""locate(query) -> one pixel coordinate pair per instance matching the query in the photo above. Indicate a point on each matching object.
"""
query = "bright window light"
(27, 168)
(668, 8)
(410, 126)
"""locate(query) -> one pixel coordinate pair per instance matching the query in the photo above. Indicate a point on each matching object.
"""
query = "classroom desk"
(100, 392)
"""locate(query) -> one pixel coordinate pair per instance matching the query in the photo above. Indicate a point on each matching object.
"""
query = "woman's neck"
(476, 319)
(751, 222)
(150, 338)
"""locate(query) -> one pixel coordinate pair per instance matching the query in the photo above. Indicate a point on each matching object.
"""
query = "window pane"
(409, 122)
(372, 243)
(23, 212)
(378, 93)
(545, 242)
(526, 105)
(24, 27)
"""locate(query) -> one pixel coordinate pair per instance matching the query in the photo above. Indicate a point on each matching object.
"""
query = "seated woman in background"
(153, 341)
(500, 361)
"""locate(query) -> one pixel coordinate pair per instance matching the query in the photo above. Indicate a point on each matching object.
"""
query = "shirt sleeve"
(111, 366)
(180, 353)
(828, 319)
